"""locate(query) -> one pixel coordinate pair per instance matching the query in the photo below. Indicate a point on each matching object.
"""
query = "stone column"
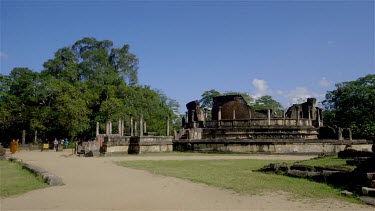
(310, 123)
(318, 115)
(23, 137)
(284, 116)
(219, 117)
(269, 117)
(145, 127)
(119, 127)
(350, 134)
(339, 134)
(35, 137)
(322, 118)
(219, 114)
(234, 114)
(131, 126)
(110, 127)
(192, 115)
(187, 116)
(97, 128)
(135, 128)
(168, 126)
(122, 127)
(141, 125)
(107, 130)
(298, 116)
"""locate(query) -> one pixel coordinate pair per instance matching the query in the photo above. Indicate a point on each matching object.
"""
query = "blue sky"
(287, 49)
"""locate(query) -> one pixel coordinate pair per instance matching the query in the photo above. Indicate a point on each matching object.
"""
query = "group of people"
(63, 142)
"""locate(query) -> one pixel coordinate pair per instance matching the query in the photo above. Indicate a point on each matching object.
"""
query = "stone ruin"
(135, 140)
(237, 127)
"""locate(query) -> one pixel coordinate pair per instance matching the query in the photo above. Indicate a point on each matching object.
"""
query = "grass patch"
(327, 161)
(14, 180)
(237, 175)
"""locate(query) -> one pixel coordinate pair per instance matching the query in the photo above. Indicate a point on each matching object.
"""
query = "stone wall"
(266, 146)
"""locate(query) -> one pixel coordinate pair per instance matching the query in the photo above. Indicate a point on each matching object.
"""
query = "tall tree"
(86, 82)
(207, 96)
(267, 102)
(352, 104)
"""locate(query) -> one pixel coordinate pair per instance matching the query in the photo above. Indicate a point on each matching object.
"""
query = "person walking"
(66, 143)
(55, 144)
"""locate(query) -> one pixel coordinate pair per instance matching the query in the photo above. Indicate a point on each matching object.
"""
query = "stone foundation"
(280, 146)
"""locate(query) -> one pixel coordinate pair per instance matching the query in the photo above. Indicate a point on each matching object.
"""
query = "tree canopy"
(264, 102)
(90, 81)
(352, 105)
(267, 102)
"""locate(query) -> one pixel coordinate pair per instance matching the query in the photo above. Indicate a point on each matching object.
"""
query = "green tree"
(267, 102)
(90, 81)
(245, 96)
(207, 96)
(352, 104)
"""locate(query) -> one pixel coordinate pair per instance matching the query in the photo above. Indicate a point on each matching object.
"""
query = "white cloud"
(3, 55)
(261, 87)
(279, 92)
(324, 83)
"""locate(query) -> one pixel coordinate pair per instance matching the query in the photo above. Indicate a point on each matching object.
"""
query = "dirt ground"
(99, 184)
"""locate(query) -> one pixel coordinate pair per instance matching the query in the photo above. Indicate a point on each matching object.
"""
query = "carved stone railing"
(258, 122)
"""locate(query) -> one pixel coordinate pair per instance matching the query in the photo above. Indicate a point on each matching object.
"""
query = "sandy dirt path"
(99, 184)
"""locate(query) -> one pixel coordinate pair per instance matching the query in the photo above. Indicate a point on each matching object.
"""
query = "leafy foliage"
(267, 102)
(352, 105)
(88, 82)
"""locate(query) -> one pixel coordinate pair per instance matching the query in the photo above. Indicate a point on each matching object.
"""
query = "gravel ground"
(99, 184)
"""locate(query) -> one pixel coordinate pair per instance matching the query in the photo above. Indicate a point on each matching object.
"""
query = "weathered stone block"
(368, 200)
(332, 168)
(370, 175)
(302, 167)
(368, 191)
(346, 193)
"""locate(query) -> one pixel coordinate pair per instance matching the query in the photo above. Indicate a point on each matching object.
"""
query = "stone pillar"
(35, 137)
(234, 114)
(23, 136)
(339, 134)
(192, 115)
(284, 116)
(141, 125)
(122, 127)
(145, 127)
(107, 130)
(268, 117)
(97, 128)
(131, 126)
(219, 117)
(350, 134)
(119, 127)
(168, 126)
(187, 116)
(110, 127)
(322, 119)
(310, 123)
(135, 128)
(219, 114)
(297, 116)
(318, 115)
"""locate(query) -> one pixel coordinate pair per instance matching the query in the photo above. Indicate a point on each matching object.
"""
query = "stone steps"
(368, 191)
